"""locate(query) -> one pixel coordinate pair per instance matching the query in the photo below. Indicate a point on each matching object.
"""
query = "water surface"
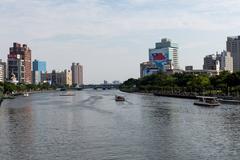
(91, 125)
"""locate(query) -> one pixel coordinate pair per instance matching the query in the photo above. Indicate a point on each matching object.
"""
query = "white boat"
(26, 94)
(207, 101)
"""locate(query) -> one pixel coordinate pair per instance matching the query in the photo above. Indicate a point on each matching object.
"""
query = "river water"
(92, 126)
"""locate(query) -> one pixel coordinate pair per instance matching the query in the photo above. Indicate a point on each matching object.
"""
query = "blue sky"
(110, 38)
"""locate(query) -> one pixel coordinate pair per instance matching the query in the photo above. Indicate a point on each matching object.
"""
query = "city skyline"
(111, 38)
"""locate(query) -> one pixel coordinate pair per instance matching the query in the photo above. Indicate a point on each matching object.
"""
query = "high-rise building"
(105, 82)
(46, 77)
(163, 53)
(68, 77)
(233, 46)
(147, 68)
(219, 62)
(54, 77)
(211, 62)
(62, 78)
(39, 67)
(188, 68)
(19, 63)
(77, 74)
(226, 61)
(2, 71)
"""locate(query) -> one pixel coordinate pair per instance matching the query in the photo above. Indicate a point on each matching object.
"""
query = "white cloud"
(91, 18)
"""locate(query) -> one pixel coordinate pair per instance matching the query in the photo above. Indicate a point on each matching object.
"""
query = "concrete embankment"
(175, 95)
(165, 94)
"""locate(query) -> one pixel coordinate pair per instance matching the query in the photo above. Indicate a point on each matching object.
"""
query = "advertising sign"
(159, 57)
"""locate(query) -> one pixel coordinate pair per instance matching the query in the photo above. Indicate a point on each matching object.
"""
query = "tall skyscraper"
(39, 67)
(233, 46)
(19, 63)
(2, 71)
(77, 74)
(165, 52)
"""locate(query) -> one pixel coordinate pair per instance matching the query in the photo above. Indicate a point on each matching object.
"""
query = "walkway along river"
(91, 125)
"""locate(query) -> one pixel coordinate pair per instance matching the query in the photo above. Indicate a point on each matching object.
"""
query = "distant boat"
(26, 94)
(67, 94)
(79, 88)
(207, 101)
(61, 89)
(119, 98)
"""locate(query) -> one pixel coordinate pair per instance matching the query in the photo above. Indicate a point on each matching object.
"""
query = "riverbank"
(14, 95)
(184, 95)
(182, 85)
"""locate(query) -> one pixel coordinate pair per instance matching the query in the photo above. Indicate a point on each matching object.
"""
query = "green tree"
(199, 83)
(9, 87)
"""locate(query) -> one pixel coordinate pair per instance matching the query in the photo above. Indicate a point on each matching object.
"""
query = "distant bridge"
(102, 86)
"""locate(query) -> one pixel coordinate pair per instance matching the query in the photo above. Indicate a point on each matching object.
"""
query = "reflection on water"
(16, 132)
(91, 125)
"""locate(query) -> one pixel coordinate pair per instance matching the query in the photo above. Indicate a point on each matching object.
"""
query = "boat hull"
(223, 101)
(206, 104)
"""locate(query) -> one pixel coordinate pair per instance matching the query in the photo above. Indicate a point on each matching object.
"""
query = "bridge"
(101, 86)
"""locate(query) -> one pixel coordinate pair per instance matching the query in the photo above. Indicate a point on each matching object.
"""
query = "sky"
(110, 38)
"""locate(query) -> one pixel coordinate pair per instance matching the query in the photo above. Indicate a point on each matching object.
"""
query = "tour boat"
(207, 101)
(26, 94)
(119, 98)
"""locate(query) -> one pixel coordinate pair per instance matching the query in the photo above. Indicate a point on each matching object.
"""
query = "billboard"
(149, 71)
(159, 57)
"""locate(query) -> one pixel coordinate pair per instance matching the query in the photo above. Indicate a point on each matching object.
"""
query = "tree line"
(9, 88)
(225, 83)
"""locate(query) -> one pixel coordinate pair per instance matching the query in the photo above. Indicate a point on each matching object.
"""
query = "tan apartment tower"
(77, 74)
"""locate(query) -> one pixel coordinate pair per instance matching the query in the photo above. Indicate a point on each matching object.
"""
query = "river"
(92, 126)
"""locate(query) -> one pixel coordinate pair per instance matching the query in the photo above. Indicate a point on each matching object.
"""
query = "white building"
(36, 77)
(226, 63)
(164, 52)
(2, 71)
